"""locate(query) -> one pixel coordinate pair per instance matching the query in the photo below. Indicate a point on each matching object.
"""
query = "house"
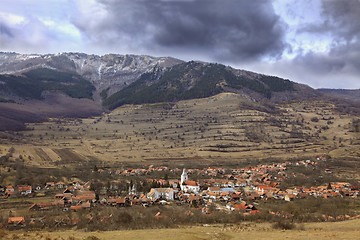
(75, 208)
(173, 183)
(122, 202)
(289, 197)
(161, 193)
(9, 190)
(190, 186)
(49, 185)
(241, 183)
(41, 206)
(214, 189)
(240, 207)
(253, 196)
(60, 185)
(195, 200)
(16, 221)
(25, 190)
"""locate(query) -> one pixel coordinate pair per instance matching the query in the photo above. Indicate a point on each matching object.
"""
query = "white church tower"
(184, 177)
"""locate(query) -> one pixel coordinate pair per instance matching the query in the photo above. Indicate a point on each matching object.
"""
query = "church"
(188, 186)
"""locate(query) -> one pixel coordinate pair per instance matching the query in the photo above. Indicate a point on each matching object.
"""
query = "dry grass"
(210, 129)
(337, 230)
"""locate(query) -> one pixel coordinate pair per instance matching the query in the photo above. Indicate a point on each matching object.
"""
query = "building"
(188, 186)
(161, 193)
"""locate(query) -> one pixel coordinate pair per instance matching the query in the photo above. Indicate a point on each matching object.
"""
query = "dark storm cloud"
(230, 30)
(341, 22)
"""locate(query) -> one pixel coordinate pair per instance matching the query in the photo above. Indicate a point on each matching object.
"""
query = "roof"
(16, 220)
(240, 207)
(214, 189)
(195, 198)
(191, 183)
(75, 207)
(161, 190)
(24, 188)
(120, 200)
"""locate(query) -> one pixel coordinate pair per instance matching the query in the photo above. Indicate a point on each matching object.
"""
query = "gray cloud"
(341, 23)
(5, 31)
(231, 30)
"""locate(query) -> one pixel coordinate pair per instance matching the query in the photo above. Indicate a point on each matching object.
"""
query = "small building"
(161, 193)
(49, 185)
(9, 189)
(25, 190)
(60, 185)
(16, 221)
(289, 197)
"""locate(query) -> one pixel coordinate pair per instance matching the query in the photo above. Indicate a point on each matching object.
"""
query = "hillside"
(223, 128)
(36, 87)
(352, 95)
(196, 80)
(115, 80)
(44, 84)
(108, 73)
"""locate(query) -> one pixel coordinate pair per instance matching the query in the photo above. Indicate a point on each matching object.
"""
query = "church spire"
(184, 177)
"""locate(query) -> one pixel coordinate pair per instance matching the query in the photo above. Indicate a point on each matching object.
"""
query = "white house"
(157, 193)
(188, 186)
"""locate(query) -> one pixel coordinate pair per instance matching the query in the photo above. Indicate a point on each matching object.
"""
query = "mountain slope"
(348, 94)
(114, 80)
(198, 80)
(33, 83)
(109, 73)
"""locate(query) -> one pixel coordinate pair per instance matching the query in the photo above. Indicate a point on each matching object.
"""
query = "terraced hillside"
(223, 128)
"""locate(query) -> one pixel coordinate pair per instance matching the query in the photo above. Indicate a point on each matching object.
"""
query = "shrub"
(283, 225)
(92, 238)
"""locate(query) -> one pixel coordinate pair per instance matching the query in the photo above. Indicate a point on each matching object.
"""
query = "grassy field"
(333, 230)
(223, 128)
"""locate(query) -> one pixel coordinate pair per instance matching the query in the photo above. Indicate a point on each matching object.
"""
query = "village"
(220, 189)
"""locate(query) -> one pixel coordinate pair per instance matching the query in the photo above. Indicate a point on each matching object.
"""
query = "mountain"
(120, 79)
(35, 87)
(108, 74)
(352, 95)
(77, 84)
(191, 80)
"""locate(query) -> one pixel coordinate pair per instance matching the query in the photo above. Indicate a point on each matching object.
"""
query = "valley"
(97, 143)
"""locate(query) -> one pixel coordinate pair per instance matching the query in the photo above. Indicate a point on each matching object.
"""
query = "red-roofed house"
(24, 190)
(16, 221)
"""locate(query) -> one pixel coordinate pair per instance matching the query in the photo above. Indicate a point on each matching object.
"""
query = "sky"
(315, 42)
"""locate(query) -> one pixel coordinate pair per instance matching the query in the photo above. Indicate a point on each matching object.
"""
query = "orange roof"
(120, 200)
(191, 183)
(75, 207)
(24, 188)
(44, 204)
(16, 220)
(240, 207)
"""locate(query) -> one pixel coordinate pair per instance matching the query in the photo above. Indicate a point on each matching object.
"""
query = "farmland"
(224, 128)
